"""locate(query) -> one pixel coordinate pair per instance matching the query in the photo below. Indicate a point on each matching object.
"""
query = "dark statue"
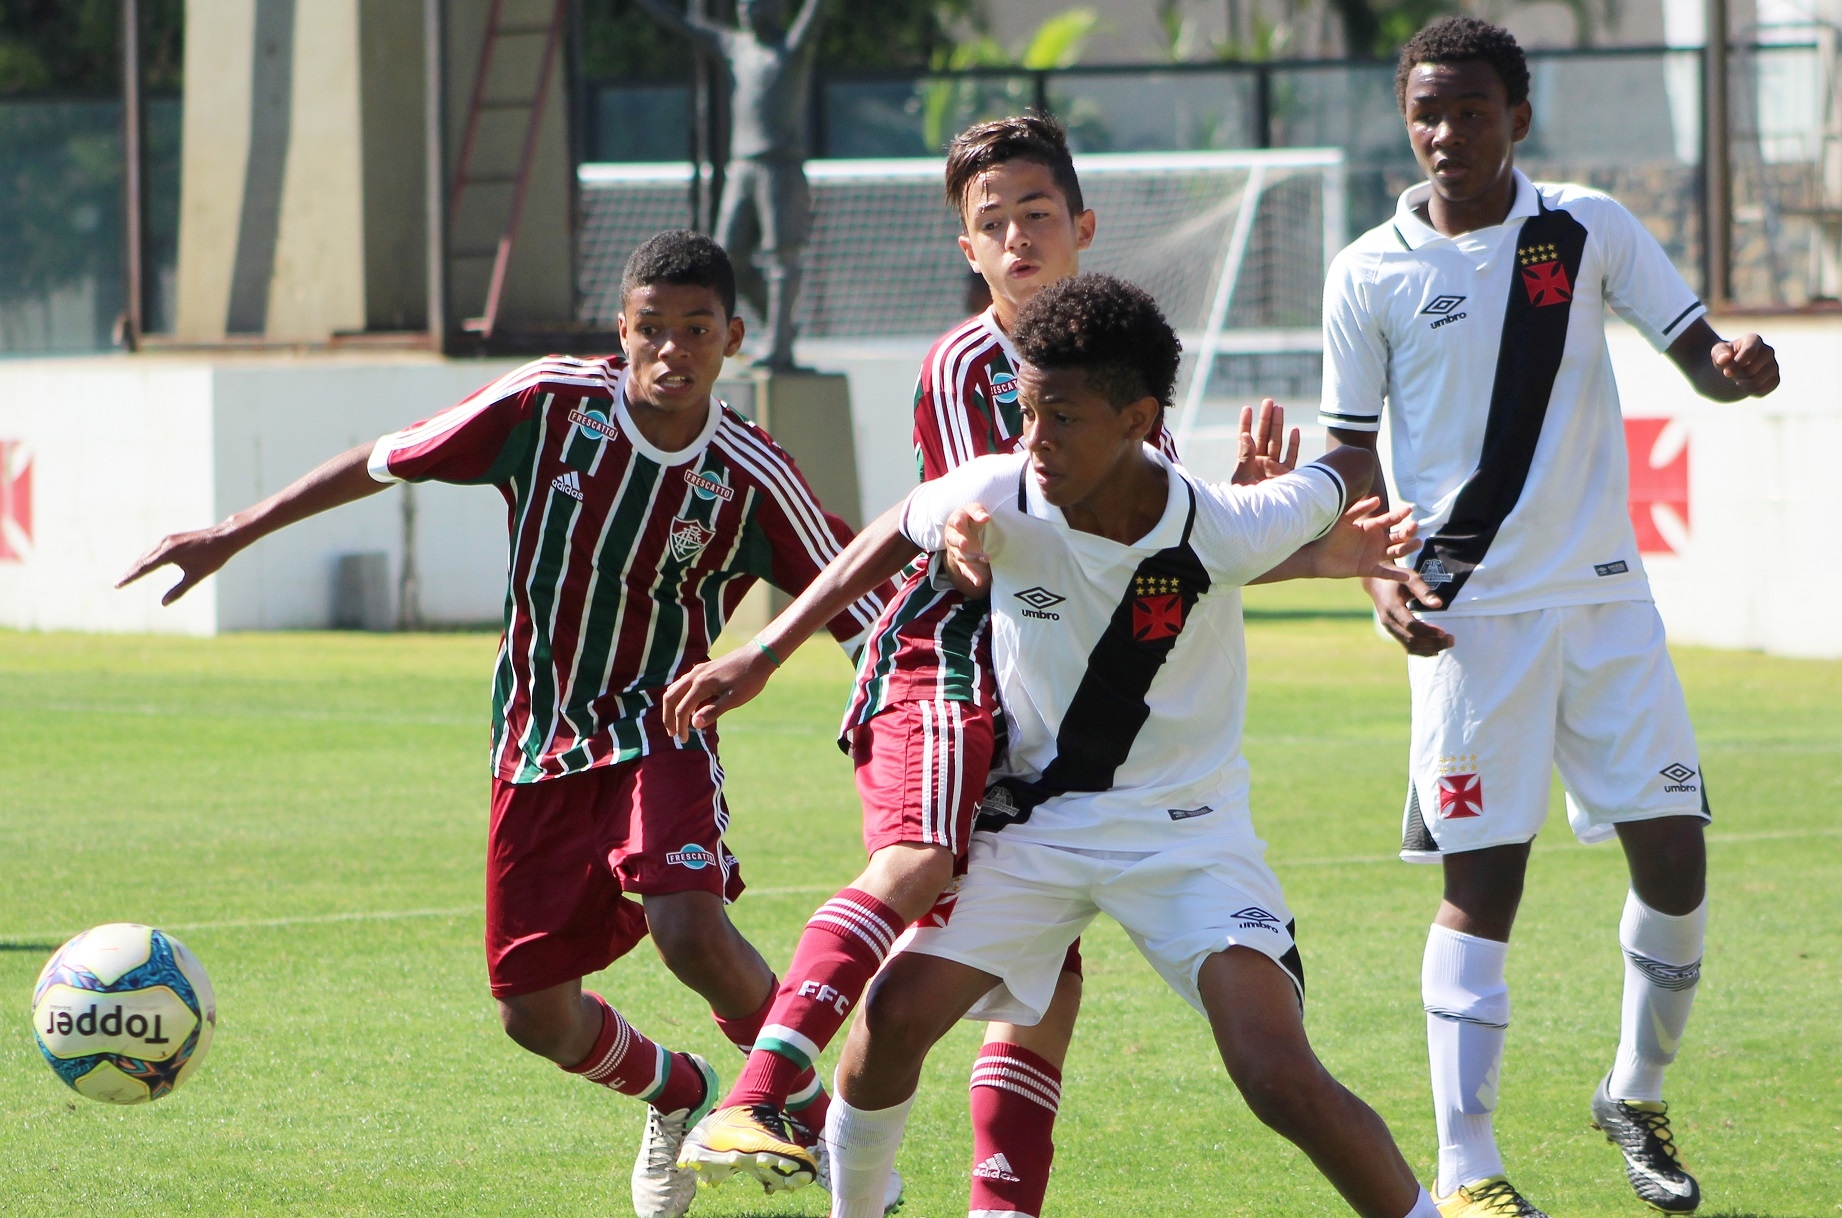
(765, 215)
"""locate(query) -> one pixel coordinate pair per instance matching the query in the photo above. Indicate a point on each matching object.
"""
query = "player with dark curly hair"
(1477, 315)
(1114, 582)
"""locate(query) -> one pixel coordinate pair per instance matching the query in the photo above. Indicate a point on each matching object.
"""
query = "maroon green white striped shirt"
(625, 561)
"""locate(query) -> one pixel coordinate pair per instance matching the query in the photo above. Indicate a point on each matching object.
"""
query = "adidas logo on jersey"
(997, 1168)
(570, 484)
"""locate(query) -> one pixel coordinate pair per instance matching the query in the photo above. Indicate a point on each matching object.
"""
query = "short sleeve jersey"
(930, 642)
(1122, 668)
(1488, 352)
(625, 561)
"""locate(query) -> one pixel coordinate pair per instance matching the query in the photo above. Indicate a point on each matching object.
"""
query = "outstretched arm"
(202, 551)
(1725, 371)
(696, 699)
(805, 25)
(702, 31)
(1420, 638)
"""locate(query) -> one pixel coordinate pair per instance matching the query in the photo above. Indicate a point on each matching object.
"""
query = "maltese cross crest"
(1543, 276)
(1157, 608)
(1460, 796)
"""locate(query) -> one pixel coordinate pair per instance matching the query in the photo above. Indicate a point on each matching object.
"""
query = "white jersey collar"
(989, 320)
(1167, 532)
(645, 448)
(1417, 232)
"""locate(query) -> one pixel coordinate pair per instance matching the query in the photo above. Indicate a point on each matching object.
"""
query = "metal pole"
(435, 154)
(1716, 163)
(134, 167)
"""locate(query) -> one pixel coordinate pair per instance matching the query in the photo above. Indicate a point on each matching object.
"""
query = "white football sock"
(1662, 969)
(1467, 1015)
(863, 1145)
(1424, 1207)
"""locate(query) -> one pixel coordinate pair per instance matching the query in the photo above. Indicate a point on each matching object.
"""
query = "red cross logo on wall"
(1658, 457)
(1460, 795)
(15, 501)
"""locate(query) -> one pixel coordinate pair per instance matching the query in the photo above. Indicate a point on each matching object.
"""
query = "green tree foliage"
(621, 43)
(74, 46)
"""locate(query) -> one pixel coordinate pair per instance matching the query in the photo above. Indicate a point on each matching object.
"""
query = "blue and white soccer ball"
(124, 1013)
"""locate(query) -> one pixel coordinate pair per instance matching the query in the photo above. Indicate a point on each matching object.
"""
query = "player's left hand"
(1262, 450)
(967, 563)
(700, 696)
(1749, 362)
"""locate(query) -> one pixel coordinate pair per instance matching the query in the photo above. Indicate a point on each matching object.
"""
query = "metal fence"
(61, 227)
(1625, 120)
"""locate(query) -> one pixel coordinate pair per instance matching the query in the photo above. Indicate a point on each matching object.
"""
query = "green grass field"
(307, 811)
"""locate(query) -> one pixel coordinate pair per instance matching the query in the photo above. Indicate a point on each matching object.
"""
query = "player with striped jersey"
(641, 509)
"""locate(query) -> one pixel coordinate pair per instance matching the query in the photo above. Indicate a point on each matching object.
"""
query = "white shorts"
(1587, 688)
(1021, 904)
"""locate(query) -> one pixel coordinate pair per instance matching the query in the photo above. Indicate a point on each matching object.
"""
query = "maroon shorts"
(921, 770)
(560, 853)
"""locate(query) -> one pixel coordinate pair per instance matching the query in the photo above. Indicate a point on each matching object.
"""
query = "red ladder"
(501, 254)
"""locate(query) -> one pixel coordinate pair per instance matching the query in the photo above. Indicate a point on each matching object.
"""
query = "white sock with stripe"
(1662, 971)
(1467, 1017)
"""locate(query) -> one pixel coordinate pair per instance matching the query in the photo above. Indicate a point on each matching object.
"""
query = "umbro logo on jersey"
(1189, 813)
(689, 539)
(1038, 601)
(997, 1168)
(709, 486)
(693, 856)
(1004, 387)
(1677, 777)
(570, 484)
(595, 423)
(1443, 308)
(1255, 918)
(1461, 796)
(1603, 569)
(1434, 573)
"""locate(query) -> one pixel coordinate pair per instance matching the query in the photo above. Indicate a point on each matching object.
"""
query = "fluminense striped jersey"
(930, 643)
(625, 561)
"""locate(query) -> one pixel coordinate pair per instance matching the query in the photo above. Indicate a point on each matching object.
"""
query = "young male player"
(1478, 314)
(642, 509)
(919, 726)
(1114, 585)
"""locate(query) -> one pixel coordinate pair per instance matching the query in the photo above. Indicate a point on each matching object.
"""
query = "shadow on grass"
(28, 947)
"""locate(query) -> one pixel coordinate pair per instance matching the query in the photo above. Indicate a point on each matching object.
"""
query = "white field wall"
(120, 451)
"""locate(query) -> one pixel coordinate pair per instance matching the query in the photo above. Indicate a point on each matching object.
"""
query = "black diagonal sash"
(1109, 708)
(1541, 284)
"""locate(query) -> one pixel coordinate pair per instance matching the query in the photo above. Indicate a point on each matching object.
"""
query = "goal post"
(1233, 245)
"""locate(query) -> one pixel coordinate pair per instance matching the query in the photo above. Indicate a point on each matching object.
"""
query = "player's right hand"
(197, 554)
(698, 698)
(1420, 638)
(967, 563)
(1263, 452)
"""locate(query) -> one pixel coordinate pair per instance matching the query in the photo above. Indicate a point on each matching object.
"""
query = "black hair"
(1108, 328)
(1465, 40)
(681, 256)
(1022, 137)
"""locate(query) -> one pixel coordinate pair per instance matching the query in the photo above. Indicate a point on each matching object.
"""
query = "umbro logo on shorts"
(1442, 308)
(570, 484)
(1677, 776)
(1038, 601)
(1255, 918)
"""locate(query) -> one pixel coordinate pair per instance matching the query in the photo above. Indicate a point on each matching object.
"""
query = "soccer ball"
(124, 1013)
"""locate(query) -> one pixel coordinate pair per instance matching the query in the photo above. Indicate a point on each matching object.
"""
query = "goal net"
(1233, 245)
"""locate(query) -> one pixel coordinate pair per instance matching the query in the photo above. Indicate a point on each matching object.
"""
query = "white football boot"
(662, 1189)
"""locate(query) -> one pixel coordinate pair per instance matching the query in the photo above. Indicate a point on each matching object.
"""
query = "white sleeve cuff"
(1349, 422)
(379, 464)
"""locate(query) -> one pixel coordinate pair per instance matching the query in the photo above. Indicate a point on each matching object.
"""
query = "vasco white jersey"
(1505, 430)
(1122, 668)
